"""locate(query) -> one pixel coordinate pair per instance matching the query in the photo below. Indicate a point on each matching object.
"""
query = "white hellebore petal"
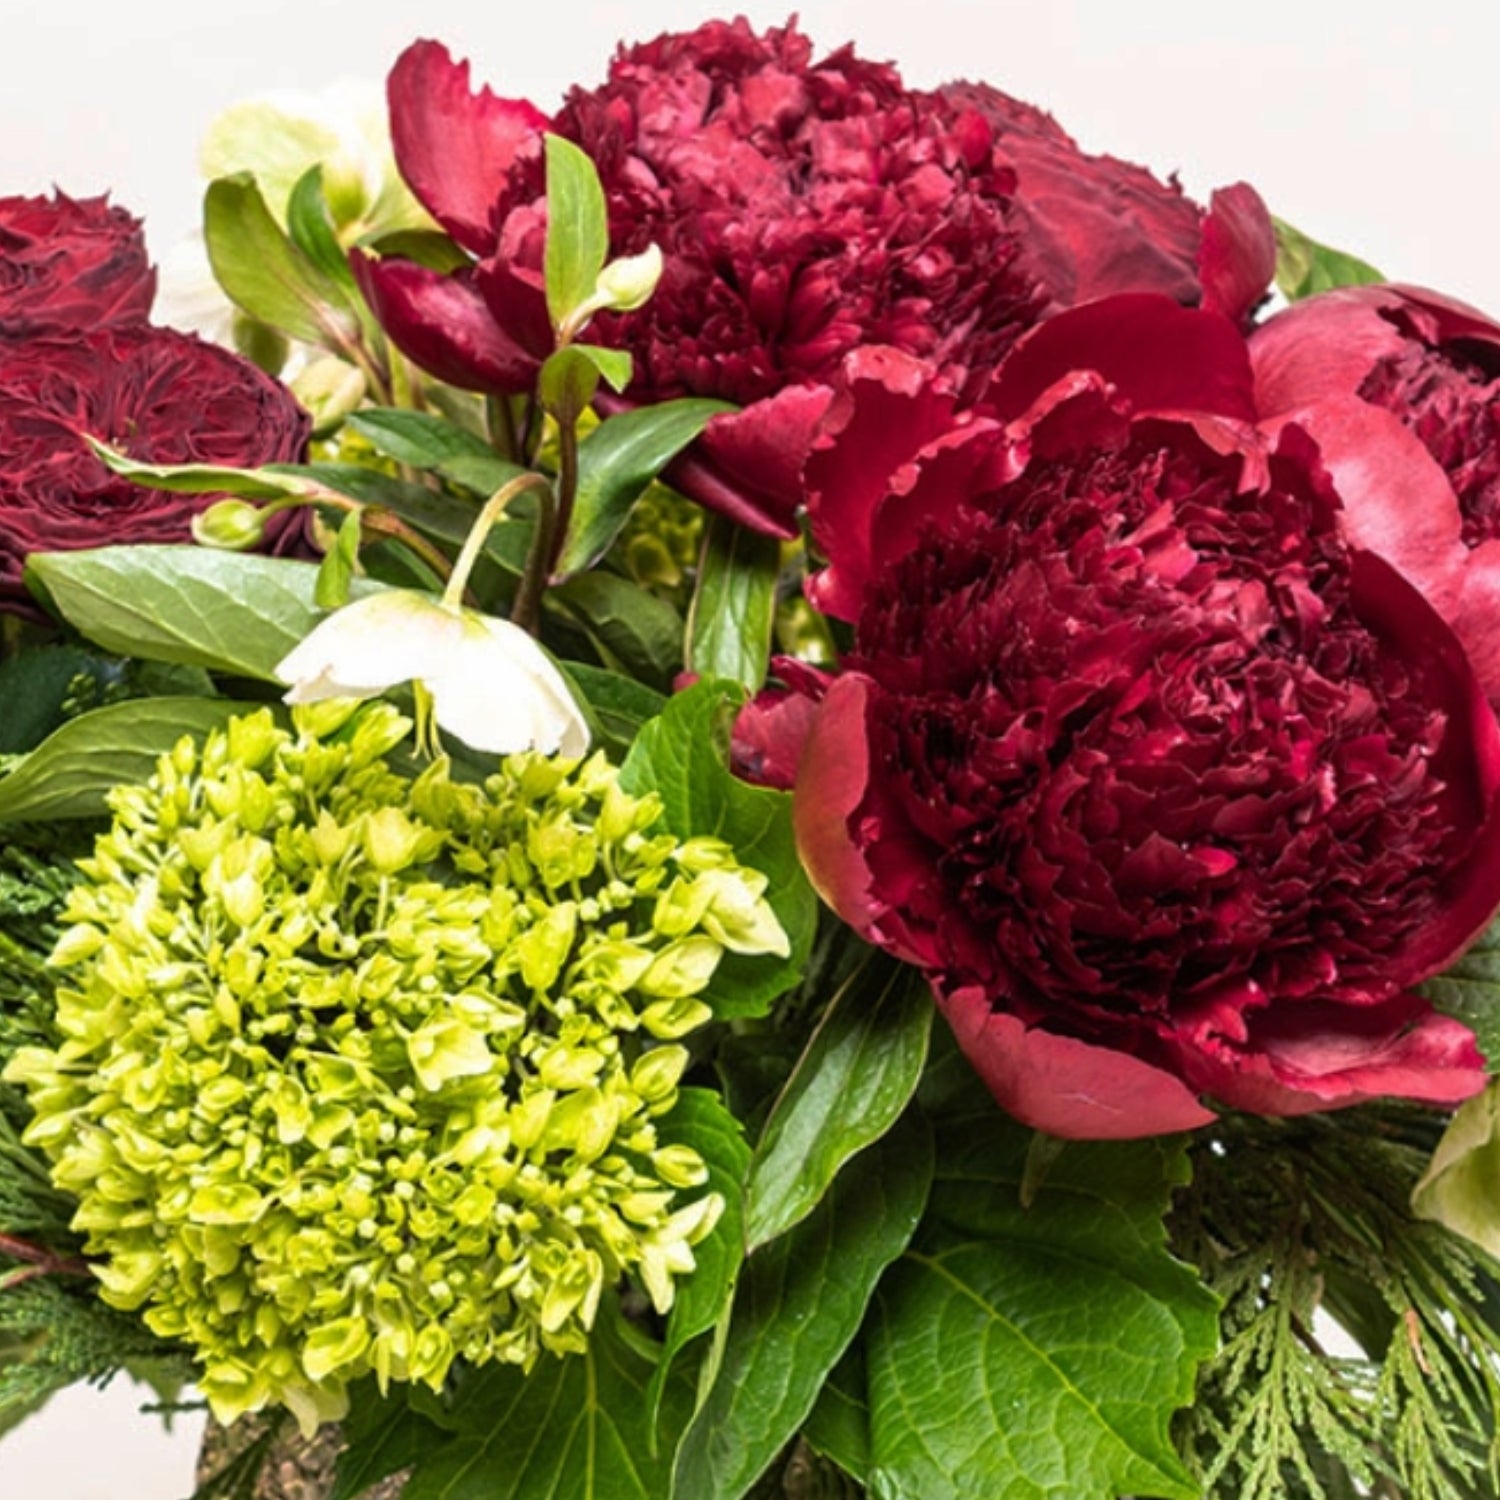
(490, 683)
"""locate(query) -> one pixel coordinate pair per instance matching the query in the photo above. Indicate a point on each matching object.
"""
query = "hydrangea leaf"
(1469, 991)
(576, 1428)
(1065, 1333)
(856, 1076)
(382, 1435)
(616, 462)
(682, 757)
(838, 1427)
(799, 1304)
(734, 604)
(223, 611)
(1304, 267)
(700, 1120)
(69, 773)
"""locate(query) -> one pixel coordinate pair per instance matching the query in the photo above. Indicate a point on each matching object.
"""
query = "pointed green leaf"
(620, 704)
(616, 462)
(423, 441)
(734, 604)
(68, 774)
(223, 611)
(263, 272)
(1469, 991)
(382, 1436)
(800, 1302)
(336, 571)
(273, 482)
(577, 229)
(1304, 267)
(310, 227)
(634, 630)
(857, 1075)
(428, 247)
(575, 1428)
(700, 1120)
(569, 379)
(1065, 1333)
(838, 1427)
(682, 756)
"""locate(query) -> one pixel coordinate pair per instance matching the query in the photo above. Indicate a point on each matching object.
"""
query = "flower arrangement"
(767, 796)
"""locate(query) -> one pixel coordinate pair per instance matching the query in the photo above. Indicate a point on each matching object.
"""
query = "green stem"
(500, 419)
(494, 507)
(567, 488)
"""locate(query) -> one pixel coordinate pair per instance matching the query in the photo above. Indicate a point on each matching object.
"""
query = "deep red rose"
(71, 264)
(1349, 360)
(160, 396)
(1172, 792)
(804, 209)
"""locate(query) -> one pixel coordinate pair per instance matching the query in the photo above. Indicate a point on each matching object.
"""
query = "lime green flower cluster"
(659, 545)
(360, 1072)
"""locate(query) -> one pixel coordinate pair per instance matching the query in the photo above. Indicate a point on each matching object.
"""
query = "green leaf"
(621, 705)
(223, 611)
(336, 571)
(577, 229)
(263, 272)
(616, 462)
(700, 1120)
(428, 247)
(1469, 991)
(682, 756)
(310, 227)
(67, 775)
(36, 686)
(734, 604)
(1065, 1333)
(271, 483)
(575, 1428)
(1304, 267)
(857, 1075)
(633, 630)
(423, 441)
(569, 379)
(838, 1426)
(800, 1302)
(382, 1436)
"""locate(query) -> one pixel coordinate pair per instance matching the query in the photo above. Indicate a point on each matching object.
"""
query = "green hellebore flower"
(490, 683)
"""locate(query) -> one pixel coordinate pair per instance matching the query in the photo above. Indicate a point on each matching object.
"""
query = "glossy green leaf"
(1065, 1333)
(734, 604)
(621, 705)
(428, 247)
(69, 773)
(273, 482)
(634, 631)
(569, 379)
(799, 1305)
(263, 272)
(1304, 267)
(1469, 991)
(336, 571)
(37, 685)
(858, 1073)
(223, 611)
(682, 757)
(838, 1426)
(616, 462)
(577, 229)
(382, 1436)
(423, 441)
(700, 1120)
(575, 1428)
(310, 227)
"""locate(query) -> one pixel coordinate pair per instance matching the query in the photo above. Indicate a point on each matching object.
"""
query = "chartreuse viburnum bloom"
(358, 1072)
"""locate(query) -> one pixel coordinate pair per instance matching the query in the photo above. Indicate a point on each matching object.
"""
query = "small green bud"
(230, 525)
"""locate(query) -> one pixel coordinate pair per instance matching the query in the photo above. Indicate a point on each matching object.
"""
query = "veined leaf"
(800, 1302)
(577, 229)
(310, 227)
(382, 1436)
(423, 441)
(68, 774)
(1304, 267)
(270, 483)
(858, 1073)
(632, 629)
(838, 1426)
(734, 604)
(1469, 991)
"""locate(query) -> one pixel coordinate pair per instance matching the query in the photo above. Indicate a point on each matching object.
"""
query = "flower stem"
(36, 1260)
(494, 507)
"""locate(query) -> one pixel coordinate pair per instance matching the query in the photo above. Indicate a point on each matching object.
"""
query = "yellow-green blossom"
(359, 1072)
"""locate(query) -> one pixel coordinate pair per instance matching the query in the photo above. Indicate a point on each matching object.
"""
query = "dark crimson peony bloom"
(804, 209)
(160, 396)
(1362, 357)
(1172, 792)
(70, 263)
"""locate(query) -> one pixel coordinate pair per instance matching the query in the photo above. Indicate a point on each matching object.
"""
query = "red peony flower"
(70, 263)
(160, 396)
(1172, 792)
(1372, 357)
(804, 209)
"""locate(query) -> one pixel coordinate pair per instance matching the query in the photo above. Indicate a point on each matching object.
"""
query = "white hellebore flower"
(491, 685)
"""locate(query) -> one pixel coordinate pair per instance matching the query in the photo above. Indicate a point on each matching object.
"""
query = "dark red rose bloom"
(162, 397)
(804, 209)
(1172, 792)
(1352, 359)
(70, 264)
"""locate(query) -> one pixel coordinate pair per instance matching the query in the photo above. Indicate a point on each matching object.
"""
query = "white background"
(1371, 125)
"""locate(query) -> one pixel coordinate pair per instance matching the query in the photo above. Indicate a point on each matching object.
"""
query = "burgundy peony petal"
(443, 324)
(771, 730)
(1237, 256)
(1162, 357)
(1313, 1055)
(454, 146)
(1322, 347)
(888, 407)
(1064, 1086)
